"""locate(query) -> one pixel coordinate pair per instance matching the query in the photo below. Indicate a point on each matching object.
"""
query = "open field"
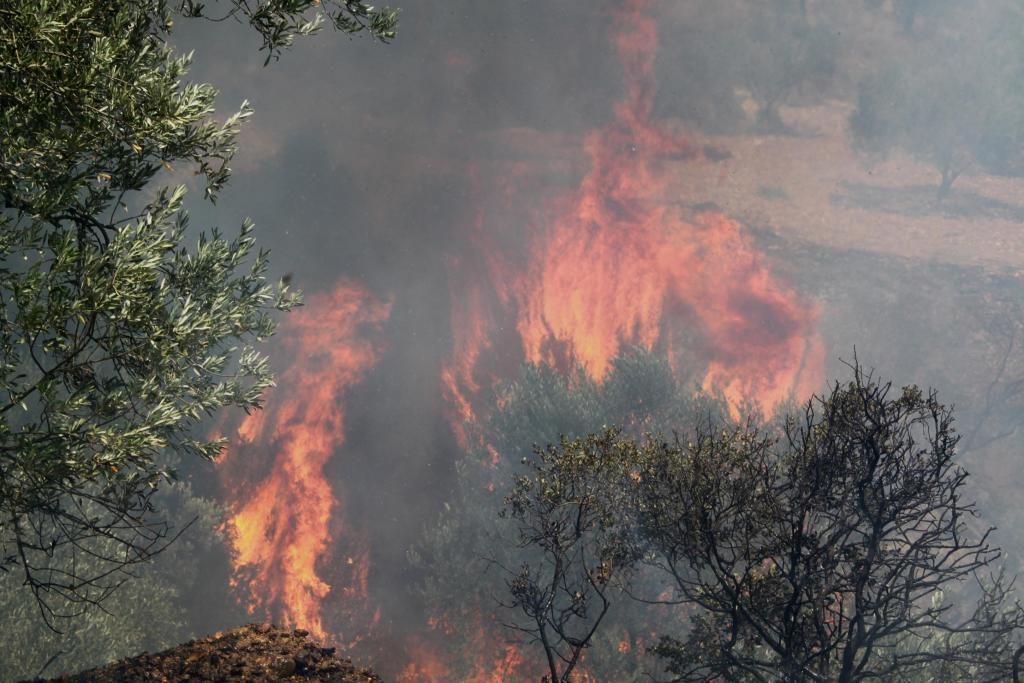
(812, 186)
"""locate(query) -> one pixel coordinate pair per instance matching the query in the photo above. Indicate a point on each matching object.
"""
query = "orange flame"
(614, 263)
(280, 526)
(492, 660)
(621, 264)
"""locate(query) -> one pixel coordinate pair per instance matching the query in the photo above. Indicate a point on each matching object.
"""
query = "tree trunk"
(768, 117)
(907, 12)
(946, 186)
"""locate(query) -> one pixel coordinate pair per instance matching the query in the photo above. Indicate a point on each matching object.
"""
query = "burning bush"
(470, 553)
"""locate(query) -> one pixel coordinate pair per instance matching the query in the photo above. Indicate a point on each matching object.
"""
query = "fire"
(617, 263)
(281, 525)
(493, 660)
(613, 263)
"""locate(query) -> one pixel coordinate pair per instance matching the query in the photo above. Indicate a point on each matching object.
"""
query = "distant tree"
(116, 335)
(936, 121)
(770, 49)
(949, 101)
(695, 70)
(781, 54)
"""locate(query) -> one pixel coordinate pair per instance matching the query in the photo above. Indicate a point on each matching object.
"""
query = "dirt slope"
(256, 653)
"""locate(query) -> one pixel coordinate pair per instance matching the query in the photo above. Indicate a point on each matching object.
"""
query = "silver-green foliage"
(279, 21)
(120, 326)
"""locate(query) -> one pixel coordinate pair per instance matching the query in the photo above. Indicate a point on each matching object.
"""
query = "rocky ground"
(253, 653)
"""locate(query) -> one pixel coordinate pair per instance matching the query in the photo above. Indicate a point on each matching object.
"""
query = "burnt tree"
(567, 509)
(821, 550)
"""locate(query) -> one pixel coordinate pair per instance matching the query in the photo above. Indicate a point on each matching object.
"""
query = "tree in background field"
(954, 101)
(120, 327)
(774, 51)
(780, 55)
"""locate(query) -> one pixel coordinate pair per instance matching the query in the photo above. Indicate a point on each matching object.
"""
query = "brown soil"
(256, 653)
(812, 187)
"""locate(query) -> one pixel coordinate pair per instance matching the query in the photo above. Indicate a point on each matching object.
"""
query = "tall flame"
(619, 263)
(281, 525)
(613, 263)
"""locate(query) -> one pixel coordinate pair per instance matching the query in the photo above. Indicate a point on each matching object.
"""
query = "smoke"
(431, 171)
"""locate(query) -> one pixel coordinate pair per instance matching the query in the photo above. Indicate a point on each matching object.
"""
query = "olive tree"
(824, 552)
(482, 568)
(167, 601)
(121, 327)
(835, 545)
(567, 508)
(952, 100)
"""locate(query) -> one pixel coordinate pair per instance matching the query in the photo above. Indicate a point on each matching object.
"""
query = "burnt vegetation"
(836, 544)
